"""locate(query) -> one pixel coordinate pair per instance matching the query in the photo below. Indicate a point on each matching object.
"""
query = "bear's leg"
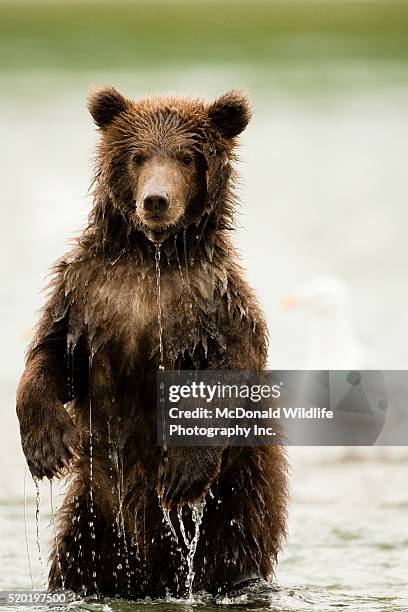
(244, 522)
(219, 564)
(94, 553)
(160, 553)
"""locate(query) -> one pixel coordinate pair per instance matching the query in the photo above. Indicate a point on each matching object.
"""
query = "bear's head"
(160, 160)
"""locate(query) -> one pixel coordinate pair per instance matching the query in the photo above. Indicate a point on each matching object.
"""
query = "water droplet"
(57, 551)
(37, 525)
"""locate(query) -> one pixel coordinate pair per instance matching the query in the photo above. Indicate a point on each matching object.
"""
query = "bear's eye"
(138, 159)
(187, 159)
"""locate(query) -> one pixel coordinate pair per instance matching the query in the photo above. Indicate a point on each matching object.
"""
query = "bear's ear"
(230, 114)
(104, 104)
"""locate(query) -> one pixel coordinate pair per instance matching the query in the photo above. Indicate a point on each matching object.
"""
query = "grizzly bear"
(163, 203)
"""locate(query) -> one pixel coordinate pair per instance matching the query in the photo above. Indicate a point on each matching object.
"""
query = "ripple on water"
(261, 596)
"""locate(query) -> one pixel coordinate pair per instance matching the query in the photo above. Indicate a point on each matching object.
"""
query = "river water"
(324, 191)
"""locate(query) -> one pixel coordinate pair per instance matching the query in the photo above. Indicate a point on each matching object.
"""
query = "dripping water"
(113, 460)
(71, 386)
(167, 519)
(77, 538)
(110, 456)
(135, 539)
(182, 528)
(185, 254)
(197, 511)
(37, 525)
(159, 312)
(144, 532)
(166, 512)
(197, 508)
(159, 321)
(91, 491)
(25, 528)
(57, 549)
(177, 256)
(121, 521)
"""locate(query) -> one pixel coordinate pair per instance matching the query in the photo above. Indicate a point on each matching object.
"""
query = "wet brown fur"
(97, 347)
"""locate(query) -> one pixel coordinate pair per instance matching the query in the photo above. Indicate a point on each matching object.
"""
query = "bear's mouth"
(158, 227)
(156, 235)
(157, 223)
(155, 218)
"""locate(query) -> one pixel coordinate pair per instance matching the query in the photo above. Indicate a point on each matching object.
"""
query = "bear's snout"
(162, 193)
(155, 203)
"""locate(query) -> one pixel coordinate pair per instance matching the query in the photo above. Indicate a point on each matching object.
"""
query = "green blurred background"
(118, 35)
(324, 196)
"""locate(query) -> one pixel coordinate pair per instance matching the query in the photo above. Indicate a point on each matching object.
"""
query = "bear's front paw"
(186, 474)
(52, 444)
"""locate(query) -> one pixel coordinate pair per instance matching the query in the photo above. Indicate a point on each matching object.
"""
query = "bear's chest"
(132, 308)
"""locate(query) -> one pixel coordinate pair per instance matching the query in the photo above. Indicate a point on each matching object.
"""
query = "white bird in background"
(330, 343)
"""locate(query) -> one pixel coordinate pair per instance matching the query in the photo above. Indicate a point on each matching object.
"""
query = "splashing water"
(91, 491)
(25, 528)
(197, 511)
(57, 549)
(37, 526)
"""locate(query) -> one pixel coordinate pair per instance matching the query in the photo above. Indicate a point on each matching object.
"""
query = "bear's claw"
(52, 450)
(176, 486)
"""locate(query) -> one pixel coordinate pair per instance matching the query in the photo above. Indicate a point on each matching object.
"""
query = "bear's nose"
(156, 203)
